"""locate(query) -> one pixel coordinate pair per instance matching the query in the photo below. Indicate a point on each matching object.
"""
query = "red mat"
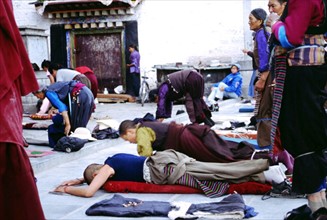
(138, 187)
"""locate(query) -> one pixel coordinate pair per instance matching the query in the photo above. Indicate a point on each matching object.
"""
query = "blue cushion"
(246, 109)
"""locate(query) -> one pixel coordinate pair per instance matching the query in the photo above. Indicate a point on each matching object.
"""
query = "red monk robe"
(18, 193)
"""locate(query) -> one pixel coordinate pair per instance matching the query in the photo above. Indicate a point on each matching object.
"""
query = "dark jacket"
(178, 79)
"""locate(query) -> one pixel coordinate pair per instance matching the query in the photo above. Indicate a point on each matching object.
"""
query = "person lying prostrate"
(194, 140)
(129, 167)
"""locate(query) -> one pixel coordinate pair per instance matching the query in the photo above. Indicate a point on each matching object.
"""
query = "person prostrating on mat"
(159, 169)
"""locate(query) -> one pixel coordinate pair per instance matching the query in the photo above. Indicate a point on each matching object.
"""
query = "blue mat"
(253, 142)
(246, 109)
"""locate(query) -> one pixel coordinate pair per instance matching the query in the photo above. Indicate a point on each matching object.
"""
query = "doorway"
(102, 51)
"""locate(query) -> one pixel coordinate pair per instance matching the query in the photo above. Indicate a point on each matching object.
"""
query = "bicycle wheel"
(144, 92)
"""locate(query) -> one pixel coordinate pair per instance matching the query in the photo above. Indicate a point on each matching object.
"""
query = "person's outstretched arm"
(88, 191)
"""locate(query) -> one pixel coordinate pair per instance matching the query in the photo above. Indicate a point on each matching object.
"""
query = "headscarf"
(259, 14)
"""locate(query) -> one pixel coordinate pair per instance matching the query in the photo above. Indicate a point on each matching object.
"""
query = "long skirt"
(264, 114)
(19, 199)
(82, 107)
(303, 125)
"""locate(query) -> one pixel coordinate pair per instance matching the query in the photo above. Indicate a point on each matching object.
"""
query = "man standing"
(18, 193)
(134, 69)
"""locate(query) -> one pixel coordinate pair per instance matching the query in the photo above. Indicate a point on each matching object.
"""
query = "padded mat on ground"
(37, 153)
(252, 135)
(253, 142)
(138, 187)
(246, 109)
(36, 137)
(36, 126)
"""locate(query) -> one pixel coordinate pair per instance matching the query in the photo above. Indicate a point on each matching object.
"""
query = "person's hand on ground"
(60, 188)
(71, 182)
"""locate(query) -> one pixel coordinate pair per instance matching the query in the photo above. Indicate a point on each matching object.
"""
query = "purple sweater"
(134, 59)
(260, 52)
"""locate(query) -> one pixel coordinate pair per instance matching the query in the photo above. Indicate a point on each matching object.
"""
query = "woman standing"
(263, 105)
(301, 75)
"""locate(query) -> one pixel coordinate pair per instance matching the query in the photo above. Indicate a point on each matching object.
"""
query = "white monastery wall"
(187, 31)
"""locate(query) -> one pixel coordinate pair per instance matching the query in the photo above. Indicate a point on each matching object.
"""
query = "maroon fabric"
(16, 71)
(18, 193)
(19, 198)
(13, 57)
(91, 76)
(203, 144)
(196, 108)
(190, 84)
(249, 188)
(138, 187)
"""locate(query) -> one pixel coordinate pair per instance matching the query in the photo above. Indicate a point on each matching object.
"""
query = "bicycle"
(144, 90)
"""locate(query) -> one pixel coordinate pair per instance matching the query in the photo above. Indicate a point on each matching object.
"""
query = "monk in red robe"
(18, 192)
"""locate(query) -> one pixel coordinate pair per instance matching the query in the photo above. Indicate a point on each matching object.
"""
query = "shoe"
(300, 213)
(283, 189)
(216, 107)
(245, 101)
(216, 99)
(320, 214)
(253, 121)
(180, 112)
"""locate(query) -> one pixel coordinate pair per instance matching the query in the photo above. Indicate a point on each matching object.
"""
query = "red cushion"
(249, 188)
(138, 187)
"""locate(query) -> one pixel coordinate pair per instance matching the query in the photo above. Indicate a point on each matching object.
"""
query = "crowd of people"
(289, 78)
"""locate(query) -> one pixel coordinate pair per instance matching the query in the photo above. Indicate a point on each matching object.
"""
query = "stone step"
(42, 164)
